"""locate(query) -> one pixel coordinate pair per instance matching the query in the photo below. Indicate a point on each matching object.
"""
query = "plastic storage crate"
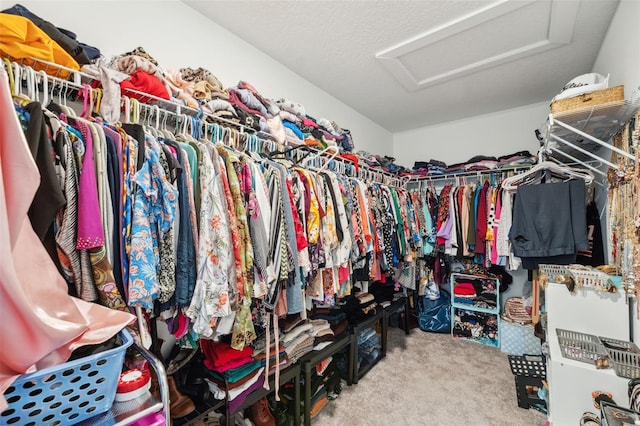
(529, 372)
(614, 415)
(68, 393)
(528, 366)
(519, 339)
(579, 346)
(624, 357)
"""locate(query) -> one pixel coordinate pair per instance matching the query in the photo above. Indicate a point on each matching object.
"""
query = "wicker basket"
(599, 97)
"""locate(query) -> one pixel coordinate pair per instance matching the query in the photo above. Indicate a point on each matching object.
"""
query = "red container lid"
(132, 380)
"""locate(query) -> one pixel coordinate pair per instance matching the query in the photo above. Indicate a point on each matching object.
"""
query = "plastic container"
(625, 357)
(579, 346)
(67, 393)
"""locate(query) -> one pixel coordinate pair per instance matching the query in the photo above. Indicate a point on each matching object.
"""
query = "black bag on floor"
(435, 315)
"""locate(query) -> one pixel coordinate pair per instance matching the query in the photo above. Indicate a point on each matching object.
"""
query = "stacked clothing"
(292, 115)
(384, 293)
(203, 86)
(477, 163)
(358, 308)
(479, 292)
(517, 159)
(429, 168)
(336, 318)
(233, 374)
(276, 353)
(464, 293)
(80, 52)
(301, 128)
(475, 325)
(368, 347)
(254, 110)
(322, 333)
(384, 162)
(298, 342)
(144, 75)
(326, 385)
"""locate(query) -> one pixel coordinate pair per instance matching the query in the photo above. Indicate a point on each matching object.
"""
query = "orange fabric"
(312, 142)
(319, 405)
(22, 39)
(366, 224)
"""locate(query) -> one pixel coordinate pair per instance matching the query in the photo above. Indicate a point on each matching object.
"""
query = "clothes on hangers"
(549, 223)
(39, 316)
(204, 233)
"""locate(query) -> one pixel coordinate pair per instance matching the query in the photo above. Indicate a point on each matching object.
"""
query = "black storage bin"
(529, 371)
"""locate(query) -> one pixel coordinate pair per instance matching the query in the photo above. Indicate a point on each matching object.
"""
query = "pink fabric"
(309, 123)
(90, 231)
(40, 324)
(496, 223)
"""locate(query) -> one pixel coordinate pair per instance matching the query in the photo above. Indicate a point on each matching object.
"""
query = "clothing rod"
(178, 107)
(370, 173)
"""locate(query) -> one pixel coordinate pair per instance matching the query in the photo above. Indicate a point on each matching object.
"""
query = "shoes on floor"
(260, 414)
(590, 419)
(180, 404)
(211, 419)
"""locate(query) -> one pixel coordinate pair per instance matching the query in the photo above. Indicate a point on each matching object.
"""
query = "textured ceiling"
(409, 64)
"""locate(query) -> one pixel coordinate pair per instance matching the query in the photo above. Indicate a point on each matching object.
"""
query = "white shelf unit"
(571, 382)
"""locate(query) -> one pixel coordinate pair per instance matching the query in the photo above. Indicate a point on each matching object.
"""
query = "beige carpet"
(432, 379)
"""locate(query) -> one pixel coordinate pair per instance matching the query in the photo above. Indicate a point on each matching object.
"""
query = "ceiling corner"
(558, 32)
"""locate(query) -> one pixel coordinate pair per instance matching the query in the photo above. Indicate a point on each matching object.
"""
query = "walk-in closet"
(286, 213)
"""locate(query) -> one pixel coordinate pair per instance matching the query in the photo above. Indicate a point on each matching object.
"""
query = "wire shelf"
(601, 122)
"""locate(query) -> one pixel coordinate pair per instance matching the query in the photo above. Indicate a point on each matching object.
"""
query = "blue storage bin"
(68, 393)
(518, 339)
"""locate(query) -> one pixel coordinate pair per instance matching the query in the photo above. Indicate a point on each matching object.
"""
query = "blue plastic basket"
(67, 393)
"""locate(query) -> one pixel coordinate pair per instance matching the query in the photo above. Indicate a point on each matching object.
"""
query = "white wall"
(178, 36)
(619, 56)
(620, 52)
(492, 134)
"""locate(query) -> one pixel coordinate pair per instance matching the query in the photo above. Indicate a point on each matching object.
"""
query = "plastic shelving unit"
(486, 315)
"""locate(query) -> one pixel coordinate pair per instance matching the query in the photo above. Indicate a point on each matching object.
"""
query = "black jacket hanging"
(594, 255)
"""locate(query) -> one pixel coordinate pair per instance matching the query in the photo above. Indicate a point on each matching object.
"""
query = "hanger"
(534, 175)
(320, 153)
(164, 130)
(184, 132)
(98, 104)
(45, 87)
(16, 92)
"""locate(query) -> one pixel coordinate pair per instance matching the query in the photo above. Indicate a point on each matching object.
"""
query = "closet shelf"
(124, 413)
(573, 134)
(475, 308)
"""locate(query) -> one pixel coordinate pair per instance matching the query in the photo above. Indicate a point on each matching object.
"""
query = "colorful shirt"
(154, 210)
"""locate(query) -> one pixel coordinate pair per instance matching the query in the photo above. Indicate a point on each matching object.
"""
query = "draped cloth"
(40, 324)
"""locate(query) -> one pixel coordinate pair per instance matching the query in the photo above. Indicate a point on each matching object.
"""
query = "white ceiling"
(409, 64)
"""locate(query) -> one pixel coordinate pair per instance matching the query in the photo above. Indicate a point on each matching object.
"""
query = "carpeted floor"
(432, 379)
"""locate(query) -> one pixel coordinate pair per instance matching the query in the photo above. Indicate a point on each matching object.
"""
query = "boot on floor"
(260, 414)
(180, 404)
